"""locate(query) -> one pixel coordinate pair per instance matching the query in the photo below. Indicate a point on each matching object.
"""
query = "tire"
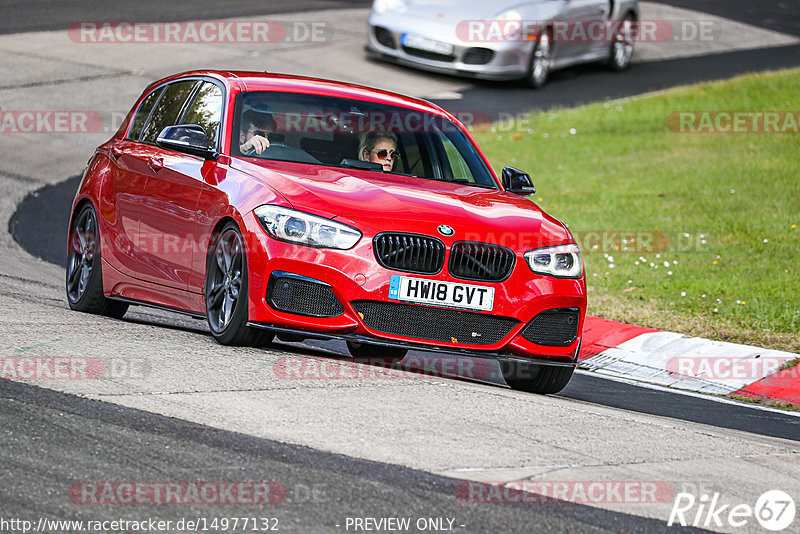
(541, 379)
(541, 61)
(376, 354)
(84, 279)
(621, 51)
(225, 291)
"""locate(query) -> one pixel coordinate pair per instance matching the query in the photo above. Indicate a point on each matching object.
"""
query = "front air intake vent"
(409, 252)
(555, 328)
(478, 56)
(385, 37)
(297, 294)
(434, 324)
(481, 261)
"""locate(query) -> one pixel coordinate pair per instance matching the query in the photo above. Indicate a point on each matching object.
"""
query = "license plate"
(438, 293)
(429, 45)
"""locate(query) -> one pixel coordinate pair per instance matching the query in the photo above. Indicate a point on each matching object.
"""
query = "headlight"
(563, 261)
(305, 229)
(382, 6)
(512, 14)
(512, 23)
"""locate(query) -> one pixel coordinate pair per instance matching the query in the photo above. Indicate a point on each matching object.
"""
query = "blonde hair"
(369, 140)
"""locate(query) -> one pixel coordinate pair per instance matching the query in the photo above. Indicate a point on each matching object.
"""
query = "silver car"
(503, 39)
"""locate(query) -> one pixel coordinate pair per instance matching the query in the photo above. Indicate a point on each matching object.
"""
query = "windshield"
(338, 132)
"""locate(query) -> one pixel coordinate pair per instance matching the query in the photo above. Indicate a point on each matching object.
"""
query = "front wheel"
(225, 291)
(621, 52)
(541, 61)
(541, 379)
(84, 268)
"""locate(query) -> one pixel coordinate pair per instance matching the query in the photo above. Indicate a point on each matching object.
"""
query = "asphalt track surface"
(39, 15)
(52, 440)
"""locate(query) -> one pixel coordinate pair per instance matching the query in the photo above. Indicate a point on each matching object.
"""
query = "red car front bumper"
(355, 277)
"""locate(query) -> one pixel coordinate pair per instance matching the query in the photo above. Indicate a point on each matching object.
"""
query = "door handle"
(155, 164)
(116, 152)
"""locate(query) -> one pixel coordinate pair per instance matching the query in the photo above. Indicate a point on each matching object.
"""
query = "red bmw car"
(305, 208)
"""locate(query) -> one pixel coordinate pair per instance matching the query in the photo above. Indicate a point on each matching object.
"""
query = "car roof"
(266, 81)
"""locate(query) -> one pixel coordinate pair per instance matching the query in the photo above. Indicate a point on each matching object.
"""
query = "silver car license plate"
(429, 45)
(439, 293)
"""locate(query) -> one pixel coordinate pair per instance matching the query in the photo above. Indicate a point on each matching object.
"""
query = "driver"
(379, 148)
(255, 129)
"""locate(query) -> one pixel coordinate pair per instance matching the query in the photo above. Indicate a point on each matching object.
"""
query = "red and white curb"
(676, 361)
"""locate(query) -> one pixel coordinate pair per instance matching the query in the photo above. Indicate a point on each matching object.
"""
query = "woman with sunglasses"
(379, 148)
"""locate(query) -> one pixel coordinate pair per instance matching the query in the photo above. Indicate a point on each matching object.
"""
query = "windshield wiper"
(464, 181)
(368, 166)
(362, 165)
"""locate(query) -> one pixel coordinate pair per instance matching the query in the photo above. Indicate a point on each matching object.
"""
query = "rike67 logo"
(774, 510)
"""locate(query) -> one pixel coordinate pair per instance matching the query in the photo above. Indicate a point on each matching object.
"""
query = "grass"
(743, 398)
(721, 211)
(790, 364)
(783, 406)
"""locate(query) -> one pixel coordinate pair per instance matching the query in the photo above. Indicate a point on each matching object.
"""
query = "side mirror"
(186, 138)
(517, 181)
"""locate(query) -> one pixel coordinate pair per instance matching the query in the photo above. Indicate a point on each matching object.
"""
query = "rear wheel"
(376, 354)
(84, 269)
(621, 51)
(225, 291)
(542, 379)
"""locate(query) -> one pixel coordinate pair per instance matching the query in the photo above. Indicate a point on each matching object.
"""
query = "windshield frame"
(480, 170)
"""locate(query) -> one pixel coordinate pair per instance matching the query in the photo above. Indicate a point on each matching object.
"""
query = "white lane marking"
(445, 95)
(696, 364)
(473, 469)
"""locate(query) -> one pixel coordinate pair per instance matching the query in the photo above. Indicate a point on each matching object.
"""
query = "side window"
(413, 160)
(458, 166)
(206, 111)
(168, 109)
(143, 113)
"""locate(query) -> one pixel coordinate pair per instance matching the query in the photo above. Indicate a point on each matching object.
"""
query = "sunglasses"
(382, 153)
(261, 133)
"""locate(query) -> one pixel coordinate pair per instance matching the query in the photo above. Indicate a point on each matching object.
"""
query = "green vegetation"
(728, 204)
(743, 398)
(783, 406)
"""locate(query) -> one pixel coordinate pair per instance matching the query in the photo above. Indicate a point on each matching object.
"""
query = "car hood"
(374, 202)
(458, 10)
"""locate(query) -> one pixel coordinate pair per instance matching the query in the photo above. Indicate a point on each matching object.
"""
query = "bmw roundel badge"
(446, 230)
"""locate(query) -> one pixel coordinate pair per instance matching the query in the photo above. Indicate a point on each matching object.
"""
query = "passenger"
(254, 131)
(379, 148)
